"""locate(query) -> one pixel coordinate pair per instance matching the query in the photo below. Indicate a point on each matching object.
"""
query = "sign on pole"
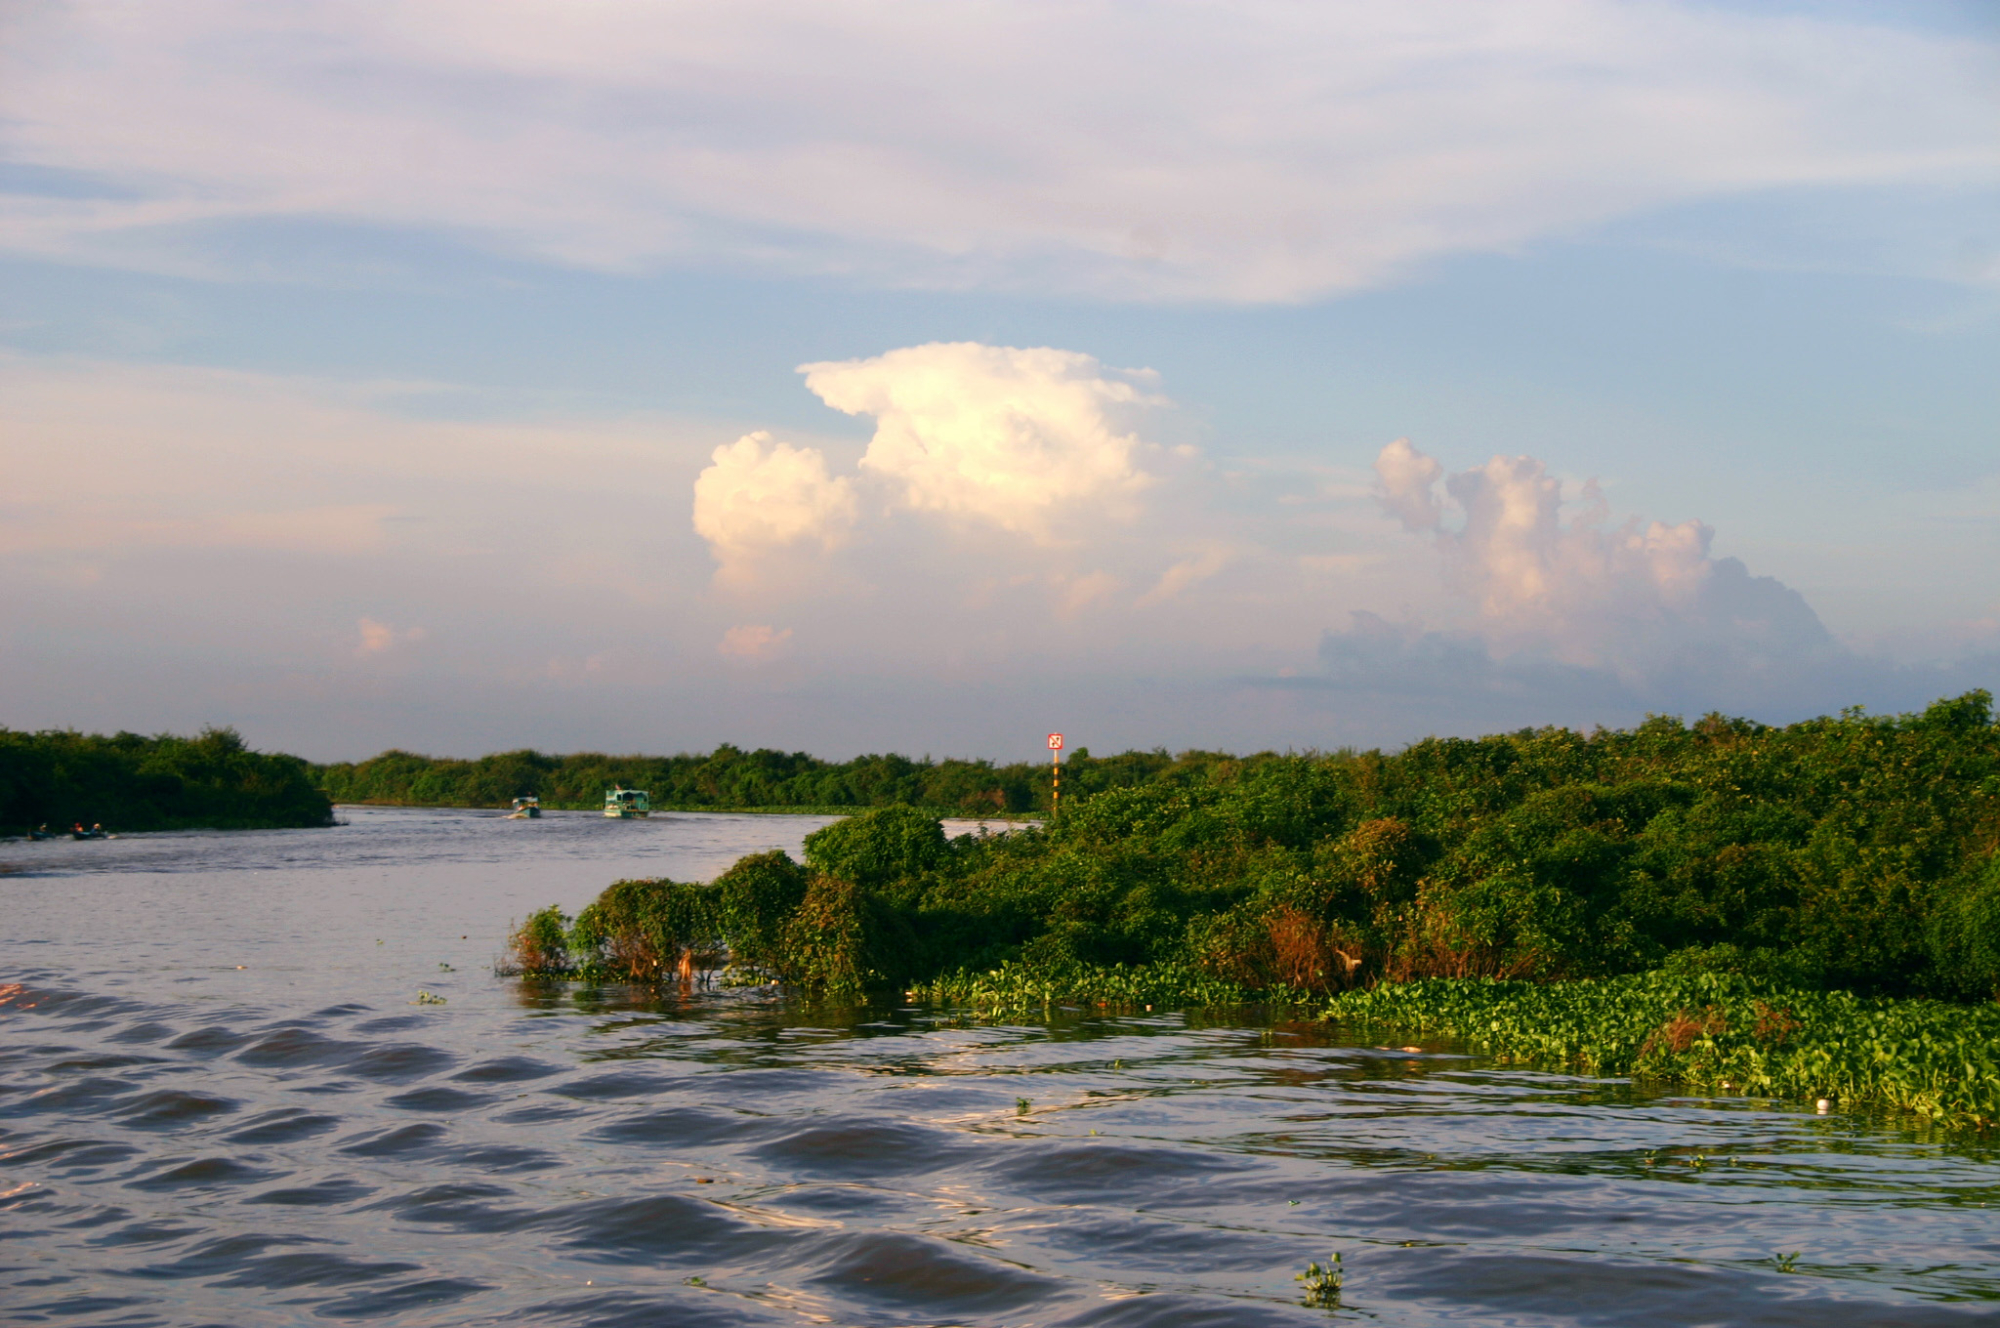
(1055, 774)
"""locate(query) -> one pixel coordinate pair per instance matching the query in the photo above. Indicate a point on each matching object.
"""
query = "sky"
(640, 376)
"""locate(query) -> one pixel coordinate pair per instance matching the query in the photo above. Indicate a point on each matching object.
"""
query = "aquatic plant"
(1016, 987)
(1715, 1029)
(1322, 1283)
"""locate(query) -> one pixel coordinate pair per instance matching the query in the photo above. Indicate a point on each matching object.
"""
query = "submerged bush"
(540, 945)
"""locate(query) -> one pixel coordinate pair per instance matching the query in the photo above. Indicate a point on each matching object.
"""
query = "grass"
(1717, 1032)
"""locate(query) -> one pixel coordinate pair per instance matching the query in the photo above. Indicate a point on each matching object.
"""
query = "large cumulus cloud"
(758, 498)
(1024, 442)
(992, 433)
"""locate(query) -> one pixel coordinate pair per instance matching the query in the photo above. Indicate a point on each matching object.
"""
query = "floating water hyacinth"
(1322, 1283)
(1932, 1057)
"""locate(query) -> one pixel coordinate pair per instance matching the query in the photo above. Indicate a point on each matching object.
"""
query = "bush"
(875, 848)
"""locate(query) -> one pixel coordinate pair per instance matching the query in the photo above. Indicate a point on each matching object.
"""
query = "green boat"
(624, 803)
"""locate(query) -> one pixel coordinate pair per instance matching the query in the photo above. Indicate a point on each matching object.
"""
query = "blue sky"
(375, 375)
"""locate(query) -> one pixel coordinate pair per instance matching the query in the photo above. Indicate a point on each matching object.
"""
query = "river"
(220, 1104)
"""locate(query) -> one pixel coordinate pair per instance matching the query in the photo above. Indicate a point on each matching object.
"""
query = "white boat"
(624, 803)
(526, 809)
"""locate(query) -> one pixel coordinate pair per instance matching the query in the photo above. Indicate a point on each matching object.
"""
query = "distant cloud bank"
(1577, 615)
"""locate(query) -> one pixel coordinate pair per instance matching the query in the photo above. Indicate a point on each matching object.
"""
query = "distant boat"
(526, 809)
(624, 803)
(43, 833)
(95, 832)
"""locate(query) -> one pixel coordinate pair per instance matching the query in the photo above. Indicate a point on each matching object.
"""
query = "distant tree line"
(730, 777)
(130, 782)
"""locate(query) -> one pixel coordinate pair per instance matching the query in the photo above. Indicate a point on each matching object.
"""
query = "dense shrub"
(1854, 853)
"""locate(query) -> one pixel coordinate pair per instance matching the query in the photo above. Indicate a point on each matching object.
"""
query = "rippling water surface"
(218, 1105)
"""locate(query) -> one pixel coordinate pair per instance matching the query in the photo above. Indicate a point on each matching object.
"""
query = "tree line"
(127, 781)
(731, 778)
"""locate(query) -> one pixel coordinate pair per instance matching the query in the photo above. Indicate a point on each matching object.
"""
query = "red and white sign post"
(1055, 772)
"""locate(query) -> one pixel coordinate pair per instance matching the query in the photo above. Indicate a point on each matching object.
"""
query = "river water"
(219, 1105)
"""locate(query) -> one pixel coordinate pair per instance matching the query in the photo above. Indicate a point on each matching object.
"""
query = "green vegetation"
(1719, 1031)
(1853, 853)
(1777, 886)
(130, 782)
(732, 779)
(1322, 1283)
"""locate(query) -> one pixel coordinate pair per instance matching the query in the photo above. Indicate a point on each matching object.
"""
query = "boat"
(95, 832)
(526, 809)
(624, 803)
(43, 833)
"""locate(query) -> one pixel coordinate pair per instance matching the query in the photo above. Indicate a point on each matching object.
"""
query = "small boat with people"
(623, 804)
(95, 832)
(526, 809)
(43, 832)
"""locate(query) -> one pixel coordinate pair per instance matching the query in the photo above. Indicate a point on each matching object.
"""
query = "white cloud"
(379, 637)
(759, 497)
(1015, 438)
(1633, 596)
(1263, 151)
(1078, 593)
(754, 643)
(1408, 485)
(1187, 572)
